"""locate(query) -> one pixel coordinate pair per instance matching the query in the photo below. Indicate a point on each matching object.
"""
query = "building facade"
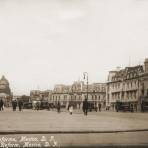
(144, 81)
(38, 95)
(74, 94)
(127, 85)
(77, 92)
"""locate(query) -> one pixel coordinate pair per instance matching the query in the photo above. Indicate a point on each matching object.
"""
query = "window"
(119, 85)
(127, 85)
(85, 96)
(79, 97)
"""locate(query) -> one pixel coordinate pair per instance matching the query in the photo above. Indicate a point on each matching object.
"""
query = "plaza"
(98, 128)
(43, 120)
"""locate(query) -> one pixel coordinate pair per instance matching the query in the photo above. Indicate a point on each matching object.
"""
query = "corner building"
(127, 85)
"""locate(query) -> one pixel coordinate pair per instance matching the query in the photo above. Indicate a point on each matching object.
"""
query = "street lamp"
(85, 74)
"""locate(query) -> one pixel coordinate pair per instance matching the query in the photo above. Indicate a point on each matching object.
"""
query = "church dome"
(4, 86)
(4, 81)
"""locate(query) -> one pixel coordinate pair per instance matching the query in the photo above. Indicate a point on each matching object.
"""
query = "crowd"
(70, 108)
(16, 103)
(85, 107)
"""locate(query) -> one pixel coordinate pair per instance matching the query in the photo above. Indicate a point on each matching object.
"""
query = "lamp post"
(85, 74)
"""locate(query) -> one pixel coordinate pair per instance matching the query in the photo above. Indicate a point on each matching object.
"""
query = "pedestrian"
(1, 104)
(132, 107)
(20, 104)
(37, 105)
(70, 109)
(99, 106)
(85, 107)
(58, 107)
(14, 104)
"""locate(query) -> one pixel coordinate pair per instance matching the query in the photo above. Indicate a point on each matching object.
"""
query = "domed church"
(5, 91)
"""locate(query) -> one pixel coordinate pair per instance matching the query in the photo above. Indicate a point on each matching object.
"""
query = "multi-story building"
(36, 95)
(144, 81)
(127, 85)
(60, 93)
(77, 92)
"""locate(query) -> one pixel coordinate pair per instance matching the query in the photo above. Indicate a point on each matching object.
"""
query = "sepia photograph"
(73, 73)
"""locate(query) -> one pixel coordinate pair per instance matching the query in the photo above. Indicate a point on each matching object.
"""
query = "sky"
(48, 42)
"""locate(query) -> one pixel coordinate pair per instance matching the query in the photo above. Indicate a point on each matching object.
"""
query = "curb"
(68, 132)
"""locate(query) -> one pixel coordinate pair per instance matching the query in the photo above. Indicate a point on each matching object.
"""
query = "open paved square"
(43, 120)
(98, 128)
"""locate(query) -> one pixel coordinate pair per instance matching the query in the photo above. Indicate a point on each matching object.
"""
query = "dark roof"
(128, 73)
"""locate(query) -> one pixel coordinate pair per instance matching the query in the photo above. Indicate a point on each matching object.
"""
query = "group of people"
(70, 107)
(19, 103)
(16, 103)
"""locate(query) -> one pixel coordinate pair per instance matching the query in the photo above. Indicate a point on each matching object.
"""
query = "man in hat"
(85, 107)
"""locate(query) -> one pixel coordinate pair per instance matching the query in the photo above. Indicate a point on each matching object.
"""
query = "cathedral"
(5, 92)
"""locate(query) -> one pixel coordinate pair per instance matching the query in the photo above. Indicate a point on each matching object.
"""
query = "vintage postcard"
(73, 73)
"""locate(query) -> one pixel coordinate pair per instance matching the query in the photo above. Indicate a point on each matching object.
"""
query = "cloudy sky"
(48, 42)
